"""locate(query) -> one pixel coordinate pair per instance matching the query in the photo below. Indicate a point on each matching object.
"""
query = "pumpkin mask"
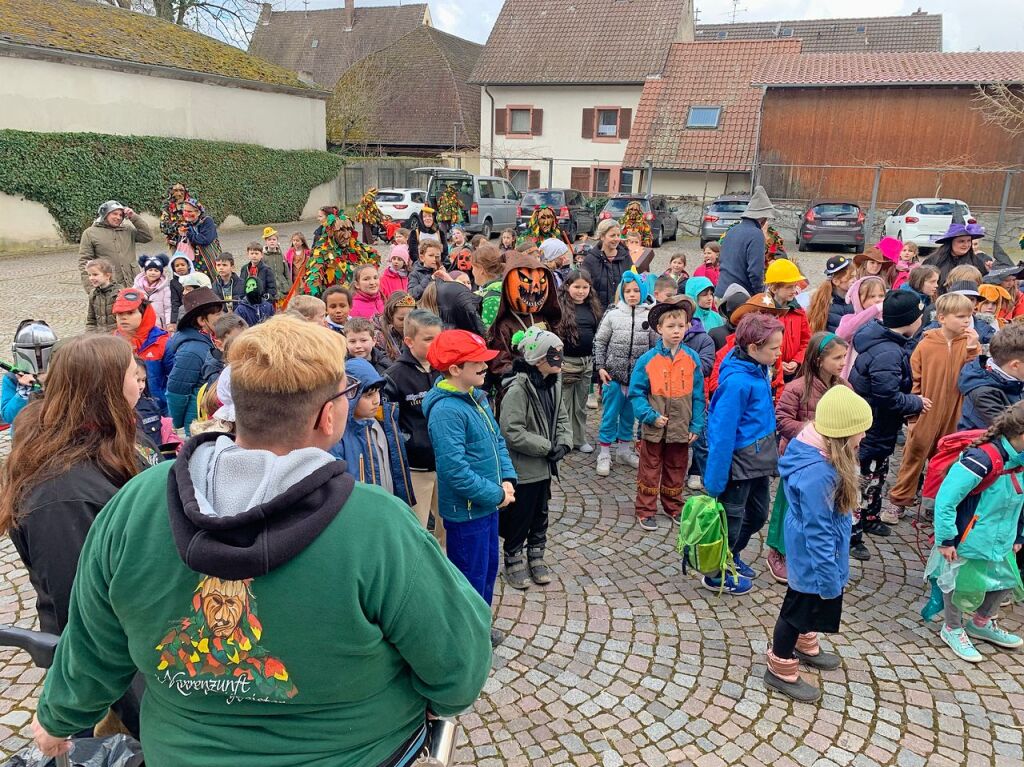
(526, 289)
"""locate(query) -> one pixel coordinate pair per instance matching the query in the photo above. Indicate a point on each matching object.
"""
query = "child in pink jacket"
(154, 283)
(396, 275)
(367, 301)
(866, 295)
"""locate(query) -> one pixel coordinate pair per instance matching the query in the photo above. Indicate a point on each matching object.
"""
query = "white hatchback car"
(402, 204)
(923, 220)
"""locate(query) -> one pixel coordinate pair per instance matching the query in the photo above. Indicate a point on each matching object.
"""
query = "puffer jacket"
(881, 375)
(987, 392)
(117, 245)
(100, 316)
(621, 340)
(698, 339)
(159, 296)
(792, 414)
(837, 309)
(984, 526)
(606, 274)
(669, 385)
(529, 433)
(419, 278)
(188, 349)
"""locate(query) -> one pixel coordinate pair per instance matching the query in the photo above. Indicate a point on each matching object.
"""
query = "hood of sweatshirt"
(976, 374)
(442, 390)
(853, 292)
(238, 513)
(803, 452)
(697, 285)
(366, 374)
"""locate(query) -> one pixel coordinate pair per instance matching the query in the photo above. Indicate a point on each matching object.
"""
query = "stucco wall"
(561, 136)
(692, 184)
(53, 97)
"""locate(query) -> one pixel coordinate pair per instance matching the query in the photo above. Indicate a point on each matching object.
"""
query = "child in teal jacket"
(976, 537)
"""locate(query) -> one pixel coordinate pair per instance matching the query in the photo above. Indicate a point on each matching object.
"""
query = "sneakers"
(777, 566)
(516, 574)
(876, 527)
(992, 634)
(960, 644)
(627, 455)
(586, 447)
(733, 585)
(647, 523)
(860, 552)
(693, 482)
(743, 568)
(890, 517)
(604, 464)
(592, 401)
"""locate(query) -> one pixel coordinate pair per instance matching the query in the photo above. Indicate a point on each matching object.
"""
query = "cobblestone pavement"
(622, 660)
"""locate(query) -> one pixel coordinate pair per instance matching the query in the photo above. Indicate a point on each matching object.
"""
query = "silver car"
(490, 202)
(723, 212)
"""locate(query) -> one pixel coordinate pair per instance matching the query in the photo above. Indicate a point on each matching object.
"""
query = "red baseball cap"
(128, 300)
(456, 347)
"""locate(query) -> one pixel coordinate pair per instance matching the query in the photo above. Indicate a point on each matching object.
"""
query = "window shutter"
(588, 123)
(500, 121)
(534, 178)
(625, 122)
(580, 179)
(537, 122)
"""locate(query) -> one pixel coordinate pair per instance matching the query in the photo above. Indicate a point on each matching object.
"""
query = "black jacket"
(838, 309)
(586, 327)
(419, 278)
(606, 275)
(232, 290)
(265, 276)
(147, 416)
(407, 384)
(987, 394)
(56, 517)
(720, 335)
(177, 296)
(460, 307)
(414, 242)
(213, 366)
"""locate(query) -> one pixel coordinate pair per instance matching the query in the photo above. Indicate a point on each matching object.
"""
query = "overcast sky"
(994, 25)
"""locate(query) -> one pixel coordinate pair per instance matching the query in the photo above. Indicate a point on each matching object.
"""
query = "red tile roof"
(578, 41)
(842, 69)
(916, 32)
(703, 74)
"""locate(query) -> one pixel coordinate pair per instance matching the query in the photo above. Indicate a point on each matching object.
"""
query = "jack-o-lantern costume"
(544, 226)
(528, 298)
(633, 221)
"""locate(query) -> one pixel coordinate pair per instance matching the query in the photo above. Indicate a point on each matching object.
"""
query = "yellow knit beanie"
(841, 413)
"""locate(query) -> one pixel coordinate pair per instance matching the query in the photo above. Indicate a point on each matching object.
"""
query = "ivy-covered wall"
(73, 173)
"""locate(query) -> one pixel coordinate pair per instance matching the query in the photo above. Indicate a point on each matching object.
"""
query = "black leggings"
(784, 639)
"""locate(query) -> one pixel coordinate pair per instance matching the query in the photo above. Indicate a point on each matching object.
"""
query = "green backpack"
(704, 537)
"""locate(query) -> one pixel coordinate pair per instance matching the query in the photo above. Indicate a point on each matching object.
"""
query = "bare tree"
(358, 103)
(230, 20)
(1001, 105)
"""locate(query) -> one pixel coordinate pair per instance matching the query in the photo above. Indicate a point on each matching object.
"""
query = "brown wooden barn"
(898, 110)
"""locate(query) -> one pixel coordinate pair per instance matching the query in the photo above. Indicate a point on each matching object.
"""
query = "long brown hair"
(811, 367)
(83, 416)
(568, 330)
(392, 345)
(821, 300)
(843, 458)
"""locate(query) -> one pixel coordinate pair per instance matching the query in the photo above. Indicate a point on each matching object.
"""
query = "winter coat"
(741, 424)
(117, 245)
(202, 235)
(621, 340)
(710, 318)
(838, 308)
(392, 281)
(13, 398)
(994, 517)
(150, 344)
(791, 414)
(669, 385)
(265, 278)
(177, 298)
(416, 234)
(232, 290)
(407, 383)
(188, 349)
(711, 272)
(471, 453)
(419, 278)
(365, 305)
(987, 392)
(817, 533)
(254, 314)
(742, 258)
(159, 296)
(100, 316)
(796, 333)
(355, 446)
(700, 341)
(213, 366)
(606, 275)
(881, 375)
(149, 420)
(459, 307)
(529, 433)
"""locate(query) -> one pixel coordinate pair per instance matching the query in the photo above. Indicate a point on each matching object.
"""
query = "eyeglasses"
(349, 393)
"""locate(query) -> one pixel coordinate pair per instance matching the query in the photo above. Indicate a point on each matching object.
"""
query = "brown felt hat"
(759, 302)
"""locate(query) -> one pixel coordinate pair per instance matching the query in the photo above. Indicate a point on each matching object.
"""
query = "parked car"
(402, 204)
(723, 212)
(575, 212)
(491, 202)
(662, 219)
(923, 220)
(829, 222)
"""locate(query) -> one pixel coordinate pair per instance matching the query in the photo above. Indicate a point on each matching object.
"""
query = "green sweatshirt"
(330, 659)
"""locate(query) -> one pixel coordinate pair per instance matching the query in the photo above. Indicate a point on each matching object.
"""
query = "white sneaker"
(693, 482)
(591, 402)
(586, 447)
(604, 464)
(628, 456)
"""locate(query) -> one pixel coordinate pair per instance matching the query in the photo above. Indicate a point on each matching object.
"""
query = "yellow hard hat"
(784, 271)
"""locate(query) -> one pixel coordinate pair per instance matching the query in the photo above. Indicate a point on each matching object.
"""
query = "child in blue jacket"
(976, 537)
(742, 447)
(822, 485)
(472, 459)
(188, 349)
(372, 446)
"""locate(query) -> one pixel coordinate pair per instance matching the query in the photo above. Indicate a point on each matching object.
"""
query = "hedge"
(73, 173)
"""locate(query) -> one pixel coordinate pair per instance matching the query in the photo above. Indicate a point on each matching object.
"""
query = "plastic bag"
(114, 751)
(184, 250)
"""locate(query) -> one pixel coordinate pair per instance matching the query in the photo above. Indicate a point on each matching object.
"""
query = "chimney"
(265, 9)
(685, 30)
(350, 14)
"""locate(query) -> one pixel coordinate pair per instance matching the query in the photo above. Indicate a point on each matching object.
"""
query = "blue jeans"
(473, 549)
(699, 451)
(616, 415)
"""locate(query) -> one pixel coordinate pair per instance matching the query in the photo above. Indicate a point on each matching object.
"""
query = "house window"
(861, 29)
(703, 117)
(608, 123)
(722, 35)
(315, 44)
(519, 121)
(602, 180)
(626, 181)
(786, 32)
(520, 178)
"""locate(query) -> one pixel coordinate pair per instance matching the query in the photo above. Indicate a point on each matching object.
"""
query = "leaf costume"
(537, 232)
(367, 211)
(449, 206)
(633, 221)
(332, 262)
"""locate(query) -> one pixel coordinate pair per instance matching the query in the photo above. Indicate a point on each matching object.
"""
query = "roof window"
(703, 117)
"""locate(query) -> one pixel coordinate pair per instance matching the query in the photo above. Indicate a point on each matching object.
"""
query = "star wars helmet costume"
(33, 345)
